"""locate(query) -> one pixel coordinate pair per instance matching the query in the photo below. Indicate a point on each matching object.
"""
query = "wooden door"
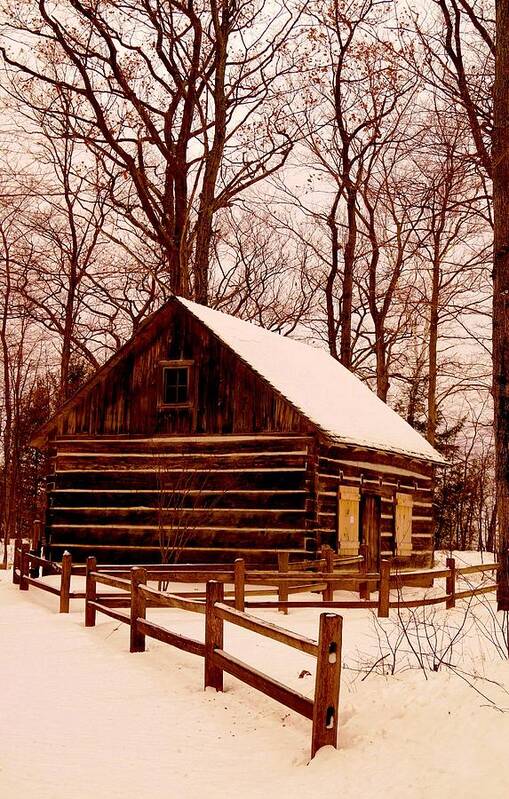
(371, 514)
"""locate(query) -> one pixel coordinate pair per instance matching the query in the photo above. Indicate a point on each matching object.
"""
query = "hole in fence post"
(328, 673)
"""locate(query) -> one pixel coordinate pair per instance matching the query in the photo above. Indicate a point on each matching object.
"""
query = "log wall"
(220, 497)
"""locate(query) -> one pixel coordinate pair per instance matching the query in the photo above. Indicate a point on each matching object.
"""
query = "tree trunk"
(331, 278)
(347, 294)
(500, 156)
(431, 429)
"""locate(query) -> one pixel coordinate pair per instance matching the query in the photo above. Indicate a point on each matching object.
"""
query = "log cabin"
(206, 437)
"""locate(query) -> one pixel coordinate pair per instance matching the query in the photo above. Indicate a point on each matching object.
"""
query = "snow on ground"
(80, 717)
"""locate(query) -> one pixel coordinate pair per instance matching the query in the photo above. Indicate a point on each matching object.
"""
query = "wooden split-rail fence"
(251, 587)
(134, 594)
(322, 710)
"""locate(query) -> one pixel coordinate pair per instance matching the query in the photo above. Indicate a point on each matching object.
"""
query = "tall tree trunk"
(500, 156)
(331, 277)
(431, 428)
(65, 359)
(7, 482)
(347, 294)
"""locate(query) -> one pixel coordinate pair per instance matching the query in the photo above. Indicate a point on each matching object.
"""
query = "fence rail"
(289, 579)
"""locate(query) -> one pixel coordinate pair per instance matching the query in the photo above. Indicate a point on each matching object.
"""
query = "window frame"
(180, 364)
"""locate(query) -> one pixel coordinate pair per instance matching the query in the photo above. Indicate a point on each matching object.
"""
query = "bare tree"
(179, 101)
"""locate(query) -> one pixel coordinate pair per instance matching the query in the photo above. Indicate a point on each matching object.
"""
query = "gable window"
(176, 384)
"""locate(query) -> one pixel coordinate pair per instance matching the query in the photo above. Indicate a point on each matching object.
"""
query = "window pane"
(175, 385)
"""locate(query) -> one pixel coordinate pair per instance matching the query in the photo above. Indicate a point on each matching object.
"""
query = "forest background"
(319, 168)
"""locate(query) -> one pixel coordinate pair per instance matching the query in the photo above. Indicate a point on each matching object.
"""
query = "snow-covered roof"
(323, 390)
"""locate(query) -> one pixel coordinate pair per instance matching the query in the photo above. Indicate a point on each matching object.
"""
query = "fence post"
(283, 566)
(328, 673)
(503, 581)
(240, 583)
(328, 556)
(384, 589)
(213, 635)
(24, 567)
(90, 592)
(16, 566)
(364, 590)
(36, 546)
(450, 584)
(138, 609)
(65, 582)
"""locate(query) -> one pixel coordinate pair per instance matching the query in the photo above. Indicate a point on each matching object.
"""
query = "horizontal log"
(418, 603)
(112, 582)
(193, 498)
(422, 543)
(256, 577)
(437, 574)
(294, 589)
(351, 605)
(339, 452)
(480, 568)
(266, 629)
(187, 444)
(178, 518)
(114, 614)
(171, 601)
(261, 682)
(423, 526)
(330, 482)
(202, 537)
(173, 639)
(266, 558)
(36, 560)
(487, 589)
(221, 480)
(156, 570)
(114, 600)
(371, 471)
(43, 586)
(182, 464)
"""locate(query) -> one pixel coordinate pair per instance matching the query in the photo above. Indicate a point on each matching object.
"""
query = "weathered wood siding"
(384, 474)
(231, 496)
(228, 396)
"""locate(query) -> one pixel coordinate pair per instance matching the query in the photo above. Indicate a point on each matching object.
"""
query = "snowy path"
(81, 718)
